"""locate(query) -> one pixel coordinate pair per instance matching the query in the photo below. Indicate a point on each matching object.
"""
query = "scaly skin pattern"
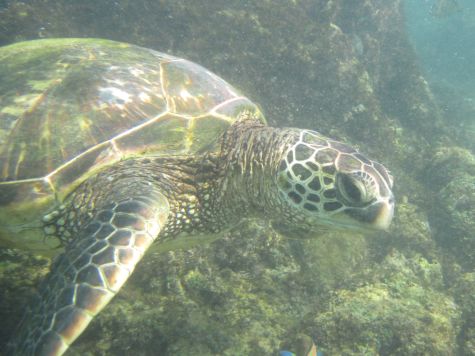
(111, 236)
(111, 219)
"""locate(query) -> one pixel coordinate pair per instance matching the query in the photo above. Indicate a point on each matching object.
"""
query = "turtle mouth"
(385, 215)
(377, 216)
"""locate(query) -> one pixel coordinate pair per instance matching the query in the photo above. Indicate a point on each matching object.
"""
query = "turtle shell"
(69, 107)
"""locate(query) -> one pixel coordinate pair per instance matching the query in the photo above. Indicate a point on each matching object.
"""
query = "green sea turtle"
(106, 148)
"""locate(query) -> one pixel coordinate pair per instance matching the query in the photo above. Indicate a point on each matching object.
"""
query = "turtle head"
(325, 182)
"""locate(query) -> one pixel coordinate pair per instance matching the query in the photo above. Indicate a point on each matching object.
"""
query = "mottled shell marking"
(84, 104)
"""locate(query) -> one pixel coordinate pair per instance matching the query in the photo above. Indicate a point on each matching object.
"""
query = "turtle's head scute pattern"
(323, 181)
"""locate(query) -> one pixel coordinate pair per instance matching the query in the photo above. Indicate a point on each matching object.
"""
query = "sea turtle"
(106, 148)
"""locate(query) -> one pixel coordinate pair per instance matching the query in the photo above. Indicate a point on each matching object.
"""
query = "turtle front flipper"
(92, 269)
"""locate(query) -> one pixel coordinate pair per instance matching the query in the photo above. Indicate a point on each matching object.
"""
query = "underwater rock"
(412, 232)
(452, 177)
(464, 293)
(20, 272)
(447, 163)
(399, 314)
(454, 218)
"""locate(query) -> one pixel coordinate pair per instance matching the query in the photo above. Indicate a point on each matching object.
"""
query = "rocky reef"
(343, 68)
(404, 311)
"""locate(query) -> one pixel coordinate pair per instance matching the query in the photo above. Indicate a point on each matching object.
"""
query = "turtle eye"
(354, 189)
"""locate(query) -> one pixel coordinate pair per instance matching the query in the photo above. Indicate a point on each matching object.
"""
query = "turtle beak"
(377, 216)
(384, 214)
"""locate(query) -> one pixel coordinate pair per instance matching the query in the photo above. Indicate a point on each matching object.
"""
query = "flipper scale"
(90, 272)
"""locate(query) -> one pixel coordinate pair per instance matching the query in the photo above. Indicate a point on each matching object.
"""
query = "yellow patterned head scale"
(328, 181)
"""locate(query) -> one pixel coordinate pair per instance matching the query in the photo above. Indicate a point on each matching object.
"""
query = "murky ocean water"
(393, 79)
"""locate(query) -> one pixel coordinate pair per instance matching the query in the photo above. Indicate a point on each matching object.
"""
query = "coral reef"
(464, 294)
(20, 272)
(402, 313)
(452, 176)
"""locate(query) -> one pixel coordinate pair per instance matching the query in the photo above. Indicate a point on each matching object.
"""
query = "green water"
(394, 79)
